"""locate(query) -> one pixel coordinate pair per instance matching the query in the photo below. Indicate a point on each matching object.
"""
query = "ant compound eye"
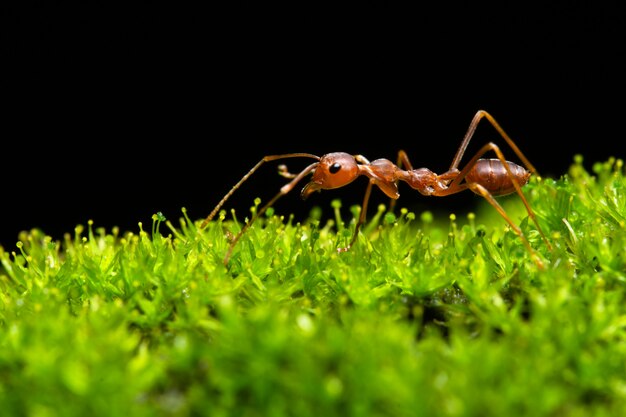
(334, 168)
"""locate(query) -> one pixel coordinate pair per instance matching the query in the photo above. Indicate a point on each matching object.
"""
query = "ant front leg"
(361, 220)
(295, 178)
(363, 214)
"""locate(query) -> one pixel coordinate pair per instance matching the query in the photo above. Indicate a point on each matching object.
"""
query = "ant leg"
(479, 189)
(368, 191)
(480, 114)
(518, 189)
(245, 177)
(457, 186)
(362, 215)
(283, 190)
(402, 162)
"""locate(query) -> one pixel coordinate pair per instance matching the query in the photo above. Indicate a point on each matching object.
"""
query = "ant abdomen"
(492, 175)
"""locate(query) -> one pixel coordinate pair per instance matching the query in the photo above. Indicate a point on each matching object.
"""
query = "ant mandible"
(485, 177)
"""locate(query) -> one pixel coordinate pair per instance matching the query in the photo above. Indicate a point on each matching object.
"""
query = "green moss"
(426, 315)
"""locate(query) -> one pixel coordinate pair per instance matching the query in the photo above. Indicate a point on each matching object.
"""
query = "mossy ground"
(424, 316)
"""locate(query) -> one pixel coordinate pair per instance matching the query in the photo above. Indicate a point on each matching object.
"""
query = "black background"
(113, 113)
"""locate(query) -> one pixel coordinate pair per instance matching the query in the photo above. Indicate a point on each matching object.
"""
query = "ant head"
(334, 170)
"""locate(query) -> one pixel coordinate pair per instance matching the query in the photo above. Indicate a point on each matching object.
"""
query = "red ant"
(485, 177)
